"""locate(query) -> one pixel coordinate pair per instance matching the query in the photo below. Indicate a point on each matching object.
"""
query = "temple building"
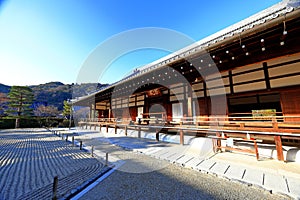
(245, 77)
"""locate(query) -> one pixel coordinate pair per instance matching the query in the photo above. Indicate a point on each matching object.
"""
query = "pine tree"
(19, 103)
(67, 110)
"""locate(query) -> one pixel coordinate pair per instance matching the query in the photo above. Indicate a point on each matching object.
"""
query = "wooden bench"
(217, 145)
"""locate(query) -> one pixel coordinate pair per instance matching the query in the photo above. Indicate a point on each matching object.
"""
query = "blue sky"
(43, 41)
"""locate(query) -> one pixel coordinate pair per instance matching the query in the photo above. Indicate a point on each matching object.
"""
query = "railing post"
(116, 128)
(218, 142)
(80, 146)
(157, 135)
(125, 130)
(181, 137)
(139, 132)
(73, 141)
(106, 127)
(256, 150)
(242, 125)
(278, 143)
(275, 125)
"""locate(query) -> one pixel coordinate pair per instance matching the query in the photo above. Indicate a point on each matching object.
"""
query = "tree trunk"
(17, 125)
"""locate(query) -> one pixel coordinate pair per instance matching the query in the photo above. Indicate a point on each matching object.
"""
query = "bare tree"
(46, 111)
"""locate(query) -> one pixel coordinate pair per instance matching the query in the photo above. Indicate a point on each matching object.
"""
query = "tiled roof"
(264, 16)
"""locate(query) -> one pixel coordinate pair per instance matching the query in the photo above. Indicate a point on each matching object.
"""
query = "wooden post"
(106, 127)
(139, 132)
(181, 137)
(106, 159)
(157, 135)
(54, 189)
(242, 125)
(256, 150)
(95, 126)
(275, 125)
(66, 138)
(116, 128)
(218, 142)
(92, 151)
(126, 130)
(73, 141)
(100, 126)
(278, 143)
(80, 146)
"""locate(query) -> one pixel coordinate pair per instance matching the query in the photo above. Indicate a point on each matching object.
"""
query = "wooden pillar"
(185, 101)
(266, 73)
(109, 114)
(106, 127)
(126, 130)
(278, 143)
(231, 82)
(116, 128)
(189, 101)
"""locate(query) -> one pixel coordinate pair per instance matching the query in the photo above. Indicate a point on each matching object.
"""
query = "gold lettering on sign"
(154, 92)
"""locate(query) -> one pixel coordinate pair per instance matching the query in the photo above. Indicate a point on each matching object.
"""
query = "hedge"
(35, 122)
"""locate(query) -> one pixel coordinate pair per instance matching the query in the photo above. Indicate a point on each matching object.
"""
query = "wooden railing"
(213, 126)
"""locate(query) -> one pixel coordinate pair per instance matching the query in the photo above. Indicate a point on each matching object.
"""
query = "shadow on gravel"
(156, 184)
(31, 160)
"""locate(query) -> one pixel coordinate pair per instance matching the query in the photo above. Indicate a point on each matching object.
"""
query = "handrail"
(207, 119)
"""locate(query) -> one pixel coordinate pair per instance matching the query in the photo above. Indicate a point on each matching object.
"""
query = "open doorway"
(246, 105)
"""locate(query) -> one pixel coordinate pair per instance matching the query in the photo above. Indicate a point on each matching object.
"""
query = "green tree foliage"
(67, 109)
(20, 99)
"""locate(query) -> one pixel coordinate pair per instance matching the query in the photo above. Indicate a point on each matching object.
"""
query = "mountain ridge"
(54, 93)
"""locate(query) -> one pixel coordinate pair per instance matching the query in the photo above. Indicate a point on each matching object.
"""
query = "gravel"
(31, 158)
